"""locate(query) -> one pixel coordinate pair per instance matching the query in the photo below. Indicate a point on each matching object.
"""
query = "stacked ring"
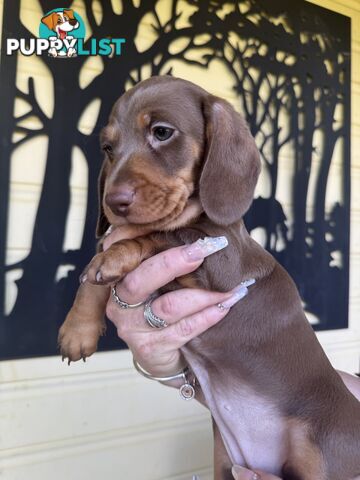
(153, 320)
(123, 304)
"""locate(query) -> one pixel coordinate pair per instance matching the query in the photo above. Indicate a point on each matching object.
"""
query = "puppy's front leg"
(109, 267)
(79, 334)
(222, 463)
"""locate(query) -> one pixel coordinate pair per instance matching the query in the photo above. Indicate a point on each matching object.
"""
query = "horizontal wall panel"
(188, 451)
(129, 409)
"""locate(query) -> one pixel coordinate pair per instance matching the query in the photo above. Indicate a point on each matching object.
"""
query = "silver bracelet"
(187, 391)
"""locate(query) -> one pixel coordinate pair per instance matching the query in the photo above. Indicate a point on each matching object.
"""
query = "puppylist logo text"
(62, 35)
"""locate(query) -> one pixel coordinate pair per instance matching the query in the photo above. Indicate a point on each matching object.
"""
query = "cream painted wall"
(101, 419)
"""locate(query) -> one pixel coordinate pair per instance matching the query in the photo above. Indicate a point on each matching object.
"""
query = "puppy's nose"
(73, 21)
(120, 200)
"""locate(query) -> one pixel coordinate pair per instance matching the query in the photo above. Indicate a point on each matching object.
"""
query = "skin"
(158, 351)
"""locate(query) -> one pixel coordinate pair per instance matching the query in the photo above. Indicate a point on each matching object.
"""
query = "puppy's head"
(169, 144)
(61, 22)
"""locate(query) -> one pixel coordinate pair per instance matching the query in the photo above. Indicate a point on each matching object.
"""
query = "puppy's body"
(274, 397)
(279, 405)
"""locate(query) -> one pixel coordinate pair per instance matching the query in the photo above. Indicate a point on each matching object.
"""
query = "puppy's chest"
(252, 427)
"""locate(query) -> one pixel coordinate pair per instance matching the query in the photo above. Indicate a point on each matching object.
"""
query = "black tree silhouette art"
(290, 69)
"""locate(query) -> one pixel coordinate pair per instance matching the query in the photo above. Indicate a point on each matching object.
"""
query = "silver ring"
(123, 304)
(153, 320)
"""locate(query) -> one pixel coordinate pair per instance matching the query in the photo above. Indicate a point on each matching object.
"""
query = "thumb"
(241, 473)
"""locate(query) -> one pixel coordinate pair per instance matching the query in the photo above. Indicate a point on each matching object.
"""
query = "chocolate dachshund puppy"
(181, 164)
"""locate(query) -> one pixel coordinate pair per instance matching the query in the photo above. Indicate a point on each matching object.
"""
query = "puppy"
(181, 164)
(61, 23)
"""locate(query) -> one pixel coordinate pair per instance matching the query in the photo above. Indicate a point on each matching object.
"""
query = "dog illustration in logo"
(62, 23)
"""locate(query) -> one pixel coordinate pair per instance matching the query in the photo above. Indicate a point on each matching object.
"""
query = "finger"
(165, 267)
(241, 473)
(177, 335)
(174, 306)
(352, 383)
(265, 476)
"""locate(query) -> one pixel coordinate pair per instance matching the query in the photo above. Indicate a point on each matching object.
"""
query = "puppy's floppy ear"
(50, 20)
(102, 222)
(70, 14)
(231, 165)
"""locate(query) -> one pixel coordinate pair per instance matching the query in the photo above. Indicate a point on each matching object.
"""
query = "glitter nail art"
(205, 247)
(211, 245)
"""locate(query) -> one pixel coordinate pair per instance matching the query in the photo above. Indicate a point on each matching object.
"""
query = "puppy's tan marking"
(143, 120)
(84, 324)
(305, 459)
(110, 134)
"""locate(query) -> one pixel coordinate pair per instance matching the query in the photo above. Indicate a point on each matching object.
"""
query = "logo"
(62, 35)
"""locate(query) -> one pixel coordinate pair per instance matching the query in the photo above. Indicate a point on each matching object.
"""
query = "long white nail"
(238, 293)
(83, 278)
(204, 247)
(109, 230)
(247, 283)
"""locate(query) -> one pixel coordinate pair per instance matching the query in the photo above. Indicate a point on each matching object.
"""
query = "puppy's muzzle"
(120, 200)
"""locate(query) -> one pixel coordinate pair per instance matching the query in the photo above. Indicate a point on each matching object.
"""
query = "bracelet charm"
(187, 391)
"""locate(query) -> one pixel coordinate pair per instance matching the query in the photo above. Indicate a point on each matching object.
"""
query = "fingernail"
(108, 231)
(83, 278)
(195, 477)
(244, 472)
(239, 292)
(247, 283)
(204, 247)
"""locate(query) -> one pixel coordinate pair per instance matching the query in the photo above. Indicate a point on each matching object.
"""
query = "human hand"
(188, 312)
(241, 473)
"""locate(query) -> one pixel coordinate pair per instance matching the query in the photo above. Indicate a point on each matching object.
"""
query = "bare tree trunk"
(301, 184)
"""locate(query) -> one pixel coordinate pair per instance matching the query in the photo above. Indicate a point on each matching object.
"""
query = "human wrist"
(183, 379)
(159, 366)
(160, 376)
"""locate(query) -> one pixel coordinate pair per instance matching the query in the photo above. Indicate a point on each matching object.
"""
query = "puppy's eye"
(59, 20)
(107, 148)
(162, 133)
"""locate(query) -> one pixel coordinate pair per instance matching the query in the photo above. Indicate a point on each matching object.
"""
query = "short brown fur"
(264, 348)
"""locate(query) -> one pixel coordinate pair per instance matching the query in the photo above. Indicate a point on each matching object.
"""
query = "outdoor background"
(101, 419)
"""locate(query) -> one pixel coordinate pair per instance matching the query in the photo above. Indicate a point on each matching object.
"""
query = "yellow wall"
(101, 420)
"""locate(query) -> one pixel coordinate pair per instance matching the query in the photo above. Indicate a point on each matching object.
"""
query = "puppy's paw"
(53, 52)
(71, 52)
(104, 269)
(78, 339)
